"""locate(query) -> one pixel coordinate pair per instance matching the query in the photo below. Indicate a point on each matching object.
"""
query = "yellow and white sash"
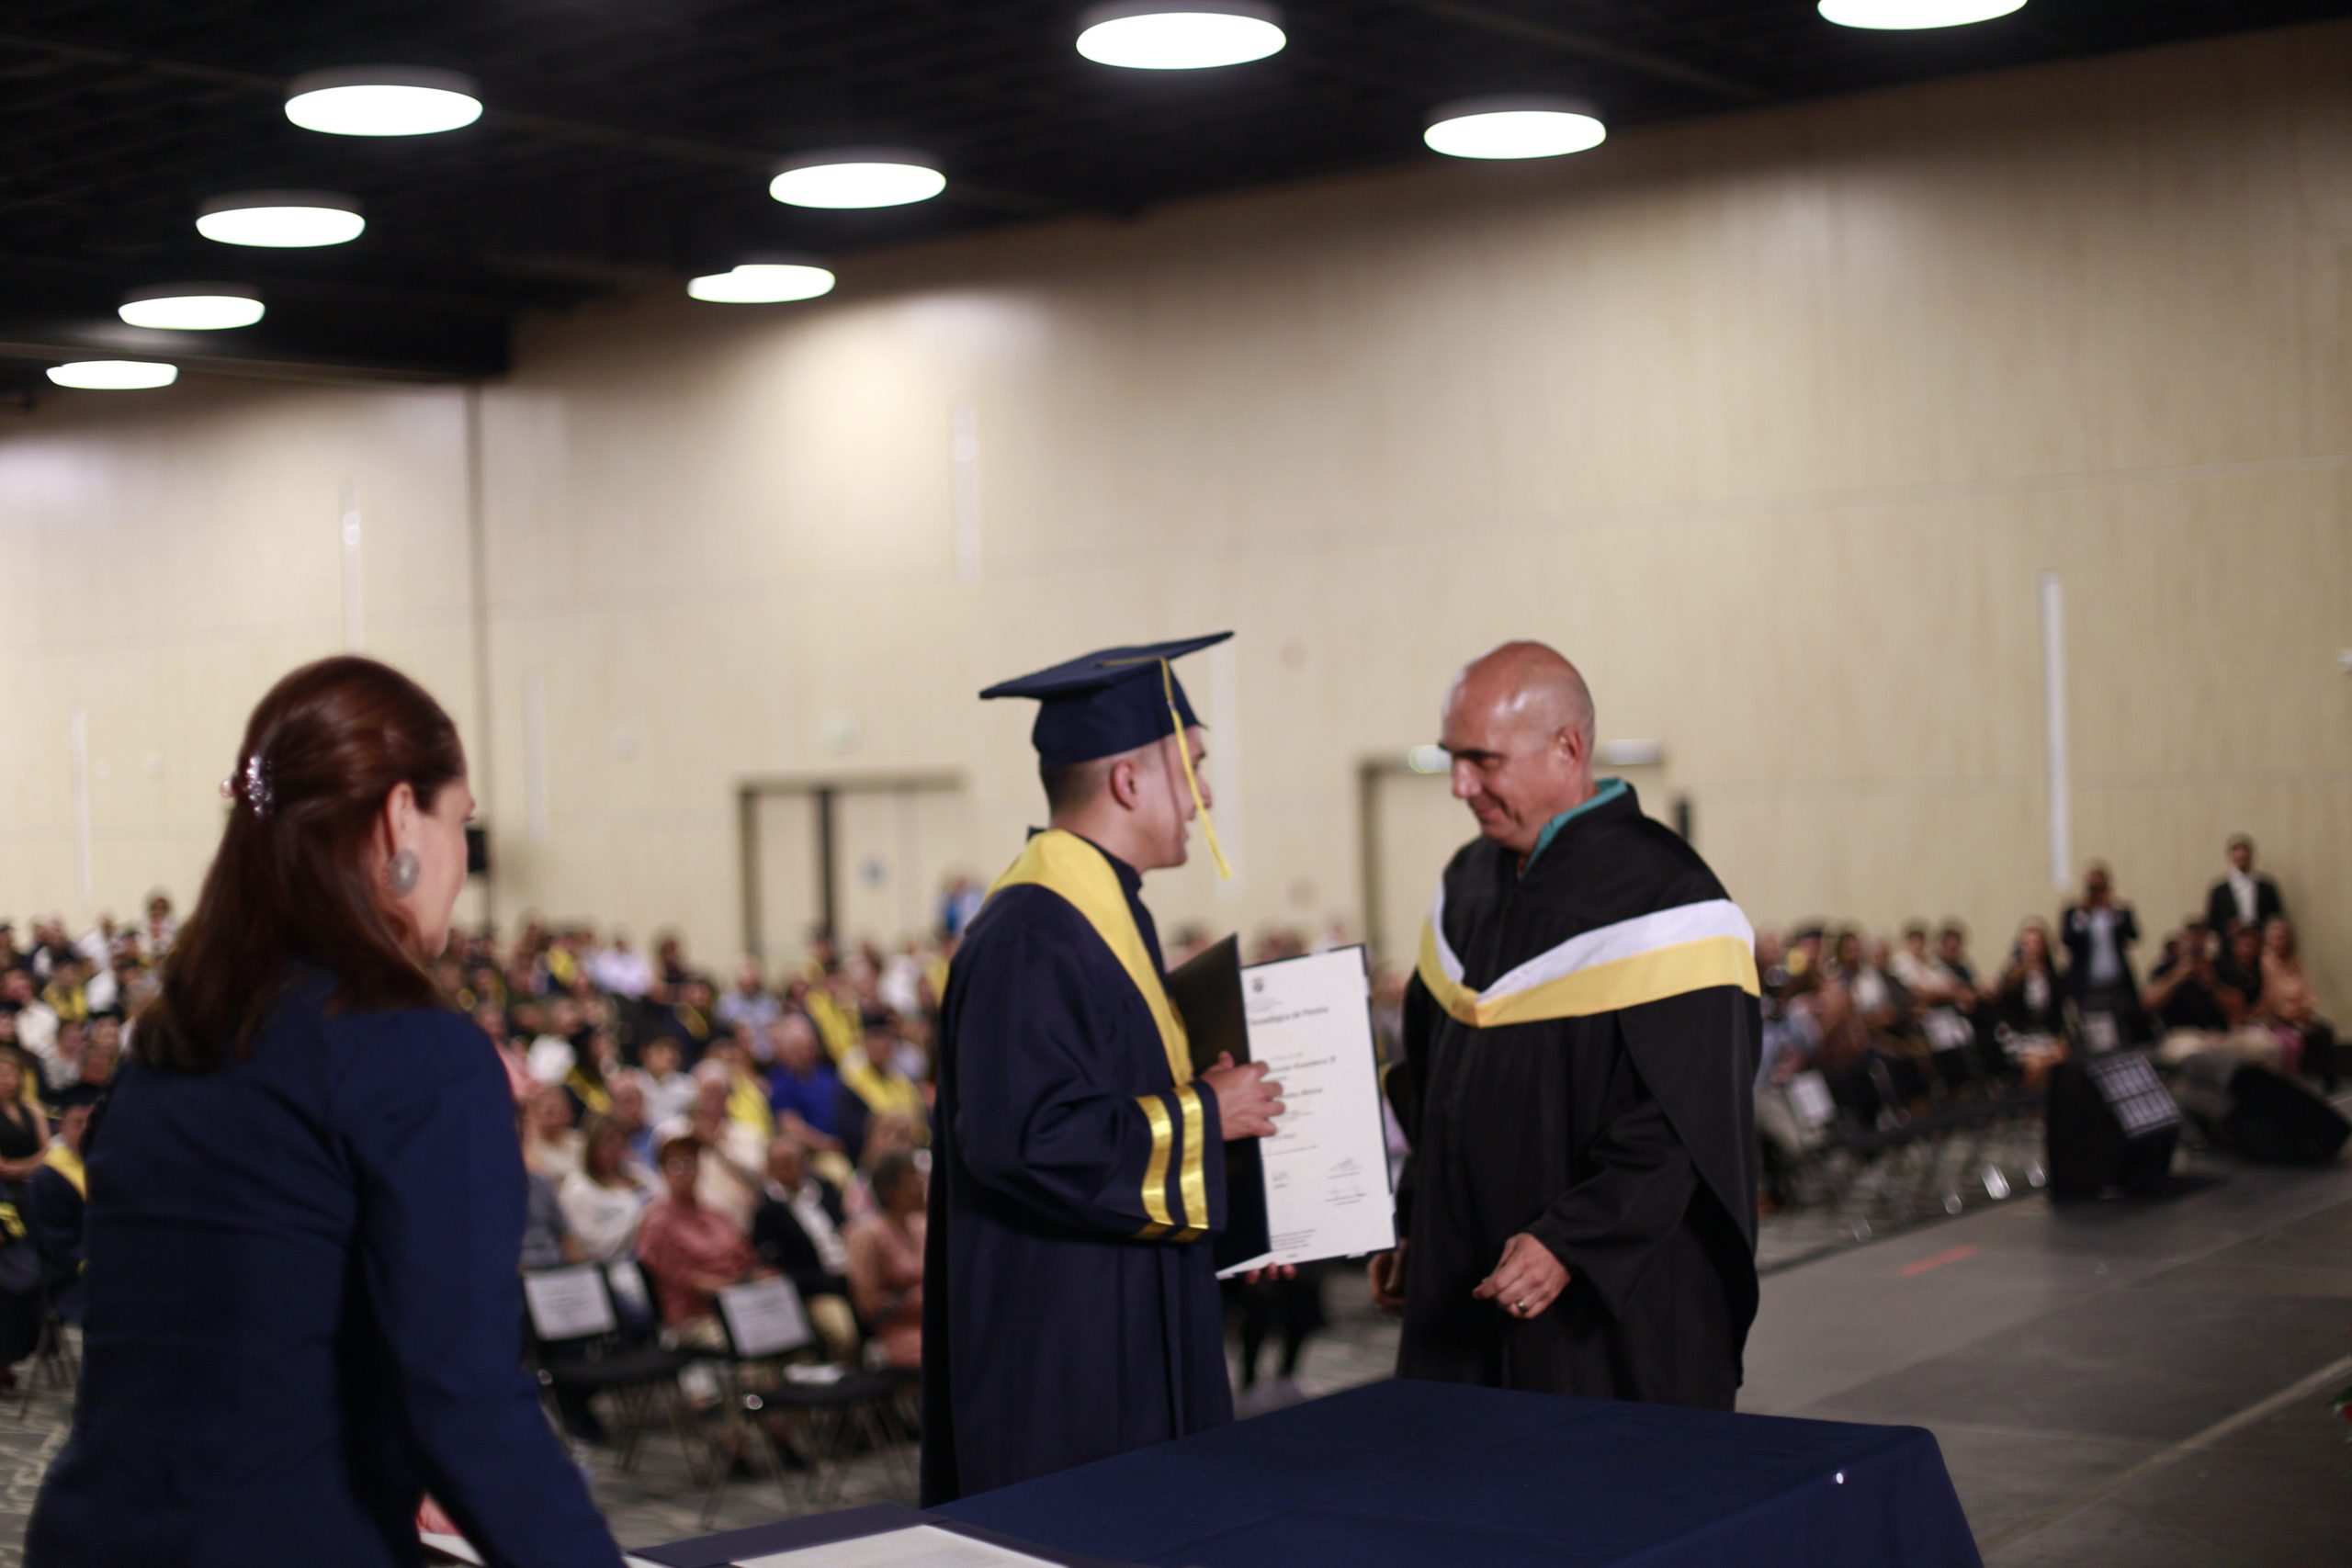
(1648, 958)
(1080, 875)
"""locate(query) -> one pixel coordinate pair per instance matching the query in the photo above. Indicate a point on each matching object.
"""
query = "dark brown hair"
(292, 884)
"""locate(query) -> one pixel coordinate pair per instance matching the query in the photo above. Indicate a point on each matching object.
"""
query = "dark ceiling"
(629, 142)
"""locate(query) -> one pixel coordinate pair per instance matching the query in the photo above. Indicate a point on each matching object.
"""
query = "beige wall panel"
(177, 557)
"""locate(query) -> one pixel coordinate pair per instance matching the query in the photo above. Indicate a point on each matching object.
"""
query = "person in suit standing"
(797, 1231)
(2242, 897)
(2099, 934)
(306, 1199)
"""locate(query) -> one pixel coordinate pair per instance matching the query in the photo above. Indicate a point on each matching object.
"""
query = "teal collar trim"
(1610, 790)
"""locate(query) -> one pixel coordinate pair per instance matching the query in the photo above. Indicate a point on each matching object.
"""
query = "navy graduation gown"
(1071, 1303)
(1579, 1051)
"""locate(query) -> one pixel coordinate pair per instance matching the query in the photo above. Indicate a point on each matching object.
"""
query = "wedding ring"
(1520, 1307)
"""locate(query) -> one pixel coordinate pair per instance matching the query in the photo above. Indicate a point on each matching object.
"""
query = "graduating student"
(1077, 1166)
(1580, 1042)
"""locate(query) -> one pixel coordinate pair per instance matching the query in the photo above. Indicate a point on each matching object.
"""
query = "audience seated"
(603, 1200)
(886, 1262)
(803, 1087)
(2196, 1010)
(2028, 1007)
(2292, 1007)
(874, 1083)
(796, 1230)
(668, 1090)
(691, 1250)
(551, 1143)
(24, 1130)
(54, 1201)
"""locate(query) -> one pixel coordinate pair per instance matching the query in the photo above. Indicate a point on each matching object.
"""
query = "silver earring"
(404, 871)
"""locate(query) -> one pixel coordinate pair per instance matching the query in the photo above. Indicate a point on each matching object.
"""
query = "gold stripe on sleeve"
(1155, 1170)
(1193, 1179)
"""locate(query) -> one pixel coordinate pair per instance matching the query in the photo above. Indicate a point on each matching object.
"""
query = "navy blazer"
(304, 1311)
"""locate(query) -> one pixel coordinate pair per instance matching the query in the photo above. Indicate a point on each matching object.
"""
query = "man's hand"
(1527, 1280)
(1386, 1272)
(1247, 1101)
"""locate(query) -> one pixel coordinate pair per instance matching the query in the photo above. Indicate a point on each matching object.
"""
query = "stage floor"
(2138, 1386)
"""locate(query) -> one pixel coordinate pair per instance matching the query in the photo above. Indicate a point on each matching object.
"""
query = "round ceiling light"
(763, 283)
(383, 100)
(1179, 35)
(1911, 15)
(867, 176)
(192, 307)
(281, 219)
(114, 375)
(1514, 128)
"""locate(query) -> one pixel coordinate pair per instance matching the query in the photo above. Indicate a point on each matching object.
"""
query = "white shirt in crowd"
(550, 1059)
(2241, 889)
(667, 1099)
(603, 1219)
(37, 1029)
(807, 1206)
(622, 973)
(2107, 959)
(1922, 976)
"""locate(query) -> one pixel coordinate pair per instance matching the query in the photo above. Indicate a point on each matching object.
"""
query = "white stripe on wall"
(2054, 720)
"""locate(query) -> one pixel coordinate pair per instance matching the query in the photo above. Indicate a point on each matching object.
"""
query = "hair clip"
(252, 788)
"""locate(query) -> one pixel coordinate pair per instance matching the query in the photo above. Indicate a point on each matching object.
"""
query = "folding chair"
(766, 1324)
(53, 1359)
(578, 1347)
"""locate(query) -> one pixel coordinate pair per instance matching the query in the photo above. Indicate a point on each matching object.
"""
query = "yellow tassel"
(1184, 750)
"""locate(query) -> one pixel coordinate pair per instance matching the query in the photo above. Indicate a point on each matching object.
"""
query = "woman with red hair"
(305, 1197)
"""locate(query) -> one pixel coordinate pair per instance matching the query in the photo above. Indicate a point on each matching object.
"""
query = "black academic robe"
(1071, 1304)
(1620, 1135)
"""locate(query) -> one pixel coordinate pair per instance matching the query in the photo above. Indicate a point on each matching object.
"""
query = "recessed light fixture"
(865, 176)
(192, 307)
(1514, 128)
(281, 219)
(1179, 35)
(114, 375)
(1911, 15)
(763, 283)
(383, 100)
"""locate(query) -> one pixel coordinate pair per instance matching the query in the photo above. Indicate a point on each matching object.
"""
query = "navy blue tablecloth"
(1408, 1473)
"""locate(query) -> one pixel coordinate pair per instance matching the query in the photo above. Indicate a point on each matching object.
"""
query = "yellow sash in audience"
(1647, 959)
(68, 1164)
(835, 1027)
(1080, 875)
(881, 1091)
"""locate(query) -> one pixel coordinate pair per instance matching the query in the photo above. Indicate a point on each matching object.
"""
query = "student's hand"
(1247, 1101)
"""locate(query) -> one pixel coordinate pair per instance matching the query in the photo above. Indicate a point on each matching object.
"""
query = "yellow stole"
(68, 1164)
(1080, 875)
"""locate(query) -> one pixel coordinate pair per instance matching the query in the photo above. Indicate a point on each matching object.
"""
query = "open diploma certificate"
(1327, 1163)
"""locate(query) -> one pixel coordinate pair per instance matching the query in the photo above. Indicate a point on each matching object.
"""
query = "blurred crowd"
(775, 1121)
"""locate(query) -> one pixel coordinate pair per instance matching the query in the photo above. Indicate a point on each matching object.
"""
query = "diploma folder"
(1207, 996)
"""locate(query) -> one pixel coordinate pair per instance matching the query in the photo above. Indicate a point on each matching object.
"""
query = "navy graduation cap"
(1110, 702)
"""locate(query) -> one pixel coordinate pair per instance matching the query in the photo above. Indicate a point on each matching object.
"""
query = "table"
(1408, 1473)
(1421, 1473)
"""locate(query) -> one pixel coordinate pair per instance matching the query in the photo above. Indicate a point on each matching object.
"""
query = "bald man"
(1580, 1036)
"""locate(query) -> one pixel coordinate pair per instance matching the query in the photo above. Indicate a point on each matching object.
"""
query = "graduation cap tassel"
(1192, 781)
